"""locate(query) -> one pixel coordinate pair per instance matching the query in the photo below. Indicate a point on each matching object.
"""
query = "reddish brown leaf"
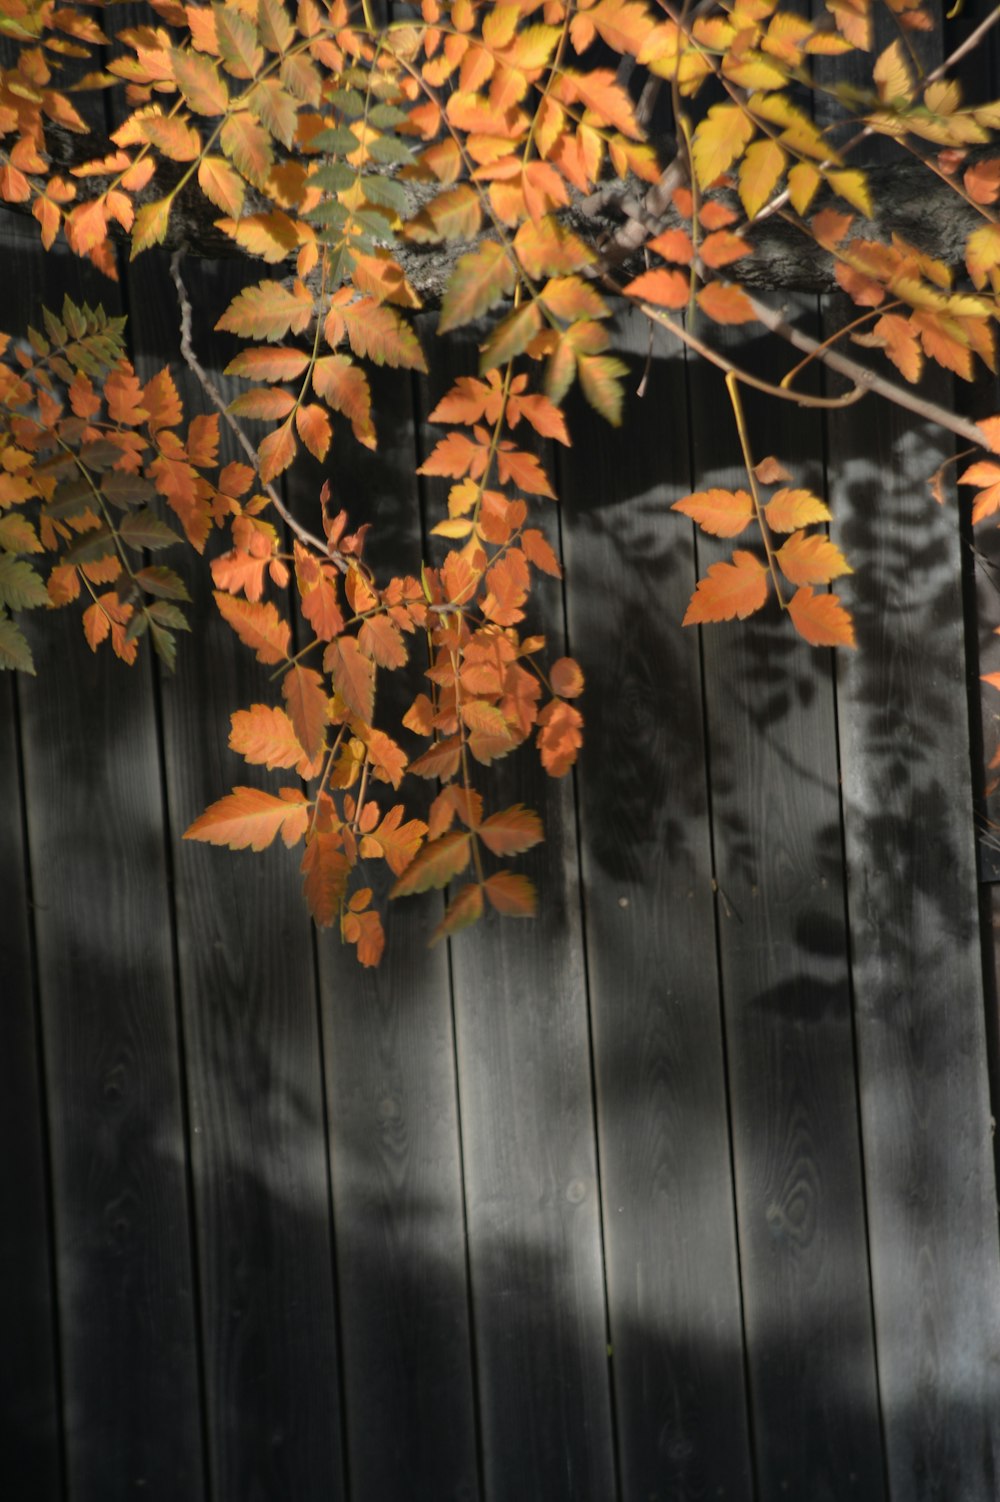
(304, 693)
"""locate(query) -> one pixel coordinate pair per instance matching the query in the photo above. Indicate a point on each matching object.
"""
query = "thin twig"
(218, 401)
(861, 376)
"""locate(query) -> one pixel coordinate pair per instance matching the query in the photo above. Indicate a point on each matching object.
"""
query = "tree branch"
(309, 539)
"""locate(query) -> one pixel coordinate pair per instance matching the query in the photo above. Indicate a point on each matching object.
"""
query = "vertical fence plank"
(530, 1152)
(390, 1069)
(106, 981)
(252, 1035)
(666, 1174)
(30, 1421)
(773, 762)
(917, 966)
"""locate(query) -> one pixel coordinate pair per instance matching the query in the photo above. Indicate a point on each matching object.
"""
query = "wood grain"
(390, 1069)
(107, 987)
(251, 1036)
(666, 1173)
(30, 1417)
(917, 968)
(529, 1147)
(772, 756)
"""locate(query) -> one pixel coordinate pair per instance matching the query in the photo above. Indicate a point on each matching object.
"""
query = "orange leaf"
(821, 619)
(303, 692)
(435, 865)
(524, 471)
(510, 894)
(723, 247)
(789, 509)
(263, 364)
(353, 676)
(387, 758)
(263, 402)
(441, 760)
(365, 930)
(396, 841)
(566, 678)
(268, 311)
(811, 560)
(313, 427)
(466, 908)
(537, 551)
(729, 590)
(725, 303)
(668, 289)
(258, 626)
(265, 736)
(512, 831)
(479, 281)
(276, 452)
(248, 146)
(379, 638)
(378, 333)
(982, 181)
(251, 817)
(721, 513)
(560, 736)
(344, 387)
(674, 245)
(325, 869)
(199, 81)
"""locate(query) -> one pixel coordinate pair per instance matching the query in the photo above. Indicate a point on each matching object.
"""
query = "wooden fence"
(683, 1191)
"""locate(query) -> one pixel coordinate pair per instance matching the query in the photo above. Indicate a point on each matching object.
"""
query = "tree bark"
(910, 201)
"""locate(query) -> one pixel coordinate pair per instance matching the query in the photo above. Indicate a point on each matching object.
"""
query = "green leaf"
(71, 499)
(157, 580)
(168, 615)
(14, 649)
(385, 190)
(91, 547)
(337, 139)
(164, 645)
(144, 529)
(384, 116)
(335, 177)
(349, 102)
(389, 149)
(21, 588)
(124, 490)
(480, 280)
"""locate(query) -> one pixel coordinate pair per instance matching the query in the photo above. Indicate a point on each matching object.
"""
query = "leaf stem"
(732, 386)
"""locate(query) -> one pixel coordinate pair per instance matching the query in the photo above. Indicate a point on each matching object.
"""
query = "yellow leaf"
(720, 140)
(150, 226)
(760, 173)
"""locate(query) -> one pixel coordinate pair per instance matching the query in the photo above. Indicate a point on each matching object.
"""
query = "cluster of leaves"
(331, 148)
(81, 466)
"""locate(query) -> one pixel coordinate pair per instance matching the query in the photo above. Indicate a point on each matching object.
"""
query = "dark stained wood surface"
(673, 1297)
(529, 1147)
(644, 1113)
(917, 965)
(772, 758)
(108, 997)
(394, 1141)
(30, 1417)
(251, 1036)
